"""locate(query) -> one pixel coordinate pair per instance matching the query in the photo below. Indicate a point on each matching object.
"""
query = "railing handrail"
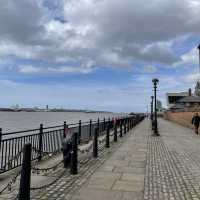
(57, 126)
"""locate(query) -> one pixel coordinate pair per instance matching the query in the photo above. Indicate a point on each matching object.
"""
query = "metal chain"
(45, 152)
(49, 184)
(10, 183)
(9, 163)
(35, 169)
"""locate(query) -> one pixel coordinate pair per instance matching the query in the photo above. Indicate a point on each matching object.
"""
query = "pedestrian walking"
(196, 122)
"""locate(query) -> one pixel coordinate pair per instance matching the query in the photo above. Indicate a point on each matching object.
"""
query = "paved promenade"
(122, 175)
(150, 168)
(137, 167)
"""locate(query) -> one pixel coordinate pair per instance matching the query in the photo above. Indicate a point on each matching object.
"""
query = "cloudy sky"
(96, 54)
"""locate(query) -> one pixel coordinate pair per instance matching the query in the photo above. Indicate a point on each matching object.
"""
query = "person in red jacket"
(196, 122)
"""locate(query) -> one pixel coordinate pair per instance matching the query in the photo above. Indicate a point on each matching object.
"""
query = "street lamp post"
(155, 82)
(152, 112)
(199, 56)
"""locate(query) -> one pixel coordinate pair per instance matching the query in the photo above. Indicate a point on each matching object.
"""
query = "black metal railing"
(54, 139)
(46, 140)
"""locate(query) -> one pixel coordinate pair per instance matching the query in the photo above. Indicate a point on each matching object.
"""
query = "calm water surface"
(16, 121)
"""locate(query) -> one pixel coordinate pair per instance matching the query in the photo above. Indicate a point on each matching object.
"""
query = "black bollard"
(74, 154)
(90, 131)
(25, 181)
(115, 132)
(104, 124)
(108, 136)
(124, 126)
(40, 142)
(64, 129)
(79, 132)
(95, 143)
(121, 131)
(128, 125)
(98, 127)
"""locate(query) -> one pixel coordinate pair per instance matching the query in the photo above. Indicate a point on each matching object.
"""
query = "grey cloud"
(21, 21)
(108, 33)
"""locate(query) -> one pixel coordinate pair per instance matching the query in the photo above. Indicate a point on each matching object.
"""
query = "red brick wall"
(182, 118)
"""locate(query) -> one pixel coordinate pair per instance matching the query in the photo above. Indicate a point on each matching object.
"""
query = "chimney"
(190, 92)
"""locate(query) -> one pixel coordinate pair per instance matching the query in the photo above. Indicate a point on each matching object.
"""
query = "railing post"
(115, 132)
(64, 129)
(25, 181)
(90, 131)
(74, 154)
(121, 133)
(108, 136)
(40, 142)
(79, 132)
(95, 143)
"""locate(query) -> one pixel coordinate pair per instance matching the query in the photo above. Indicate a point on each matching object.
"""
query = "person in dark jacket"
(196, 122)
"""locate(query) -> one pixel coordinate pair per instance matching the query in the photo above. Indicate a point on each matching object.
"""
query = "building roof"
(177, 94)
(189, 99)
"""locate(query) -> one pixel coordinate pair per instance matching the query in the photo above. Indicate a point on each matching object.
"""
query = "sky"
(96, 54)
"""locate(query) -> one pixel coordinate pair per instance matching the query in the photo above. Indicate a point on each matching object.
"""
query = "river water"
(17, 121)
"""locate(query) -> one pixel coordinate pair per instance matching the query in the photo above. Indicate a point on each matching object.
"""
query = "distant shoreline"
(49, 110)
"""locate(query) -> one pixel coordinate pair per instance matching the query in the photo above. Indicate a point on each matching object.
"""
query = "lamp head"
(155, 81)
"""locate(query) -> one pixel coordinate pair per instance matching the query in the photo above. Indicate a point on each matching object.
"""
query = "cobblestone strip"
(170, 173)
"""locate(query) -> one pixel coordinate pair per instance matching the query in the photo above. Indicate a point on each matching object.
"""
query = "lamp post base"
(155, 133)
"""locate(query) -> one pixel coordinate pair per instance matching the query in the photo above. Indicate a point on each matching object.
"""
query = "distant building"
(189, 103)
(197, 89)
(184, 101)
(172, 98)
